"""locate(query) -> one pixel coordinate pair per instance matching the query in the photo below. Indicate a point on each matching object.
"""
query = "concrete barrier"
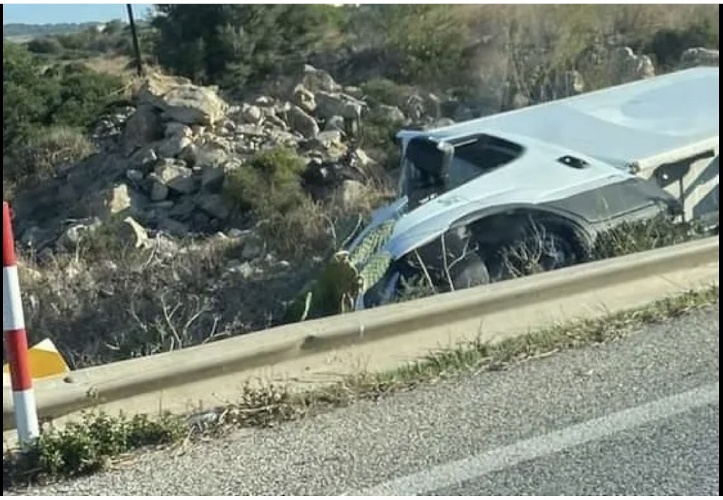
(322, 350)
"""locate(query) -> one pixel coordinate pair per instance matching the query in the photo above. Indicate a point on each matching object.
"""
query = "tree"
(233, 44)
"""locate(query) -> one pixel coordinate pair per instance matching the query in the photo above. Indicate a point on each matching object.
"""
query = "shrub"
(668, 44)
(45, 45)
(44, 152)
(269, 182)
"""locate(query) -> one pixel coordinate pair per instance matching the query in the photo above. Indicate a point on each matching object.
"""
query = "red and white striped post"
(16, 340)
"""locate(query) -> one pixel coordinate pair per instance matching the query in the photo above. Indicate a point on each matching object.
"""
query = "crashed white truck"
(556, 175)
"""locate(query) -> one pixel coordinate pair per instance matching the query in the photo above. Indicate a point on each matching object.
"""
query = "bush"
(668, 44)
(269, 182)
(44, 152)
(384, 91)
(46, 45)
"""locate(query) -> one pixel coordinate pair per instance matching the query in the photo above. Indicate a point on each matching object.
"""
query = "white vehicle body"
(623, 144)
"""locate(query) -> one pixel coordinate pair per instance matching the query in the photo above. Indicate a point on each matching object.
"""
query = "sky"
(68, 13)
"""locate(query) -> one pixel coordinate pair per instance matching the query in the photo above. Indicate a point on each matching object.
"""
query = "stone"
(173, 227)
(334, 123)
(213, 205)
(333, 104)
(699, 56)
(142, 128)
(317, 79)
(302, 122)
(134, 175)
(182, 101)
(253, 247)
(173, 146)
(174, 129)
(251, 114)
(177, 178)
(212, 178)
(118, 199)
(304, 99)
(159, 191)
(132, 234)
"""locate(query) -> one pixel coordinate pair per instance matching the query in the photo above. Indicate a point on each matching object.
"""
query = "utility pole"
(136, 45)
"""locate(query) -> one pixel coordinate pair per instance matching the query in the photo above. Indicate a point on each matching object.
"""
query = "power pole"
(136, 45)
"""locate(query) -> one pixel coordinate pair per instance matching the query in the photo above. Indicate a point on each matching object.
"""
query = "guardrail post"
(16, 340)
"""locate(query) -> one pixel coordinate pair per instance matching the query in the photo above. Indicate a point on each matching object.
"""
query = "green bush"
(384, 91)
(233, 45)
(268, 183)
(44, 151)
(89, 445)
(45, 45)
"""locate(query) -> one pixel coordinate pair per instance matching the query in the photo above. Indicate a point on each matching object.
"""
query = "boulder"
(337, 104)
(182, 101)
(302, 122)
(699, 56)
(176, 178)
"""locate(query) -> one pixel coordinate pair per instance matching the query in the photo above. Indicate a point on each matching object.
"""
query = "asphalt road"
(638, 416)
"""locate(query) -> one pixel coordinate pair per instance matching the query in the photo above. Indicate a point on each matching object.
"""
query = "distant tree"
(234, 44)
(46, 45)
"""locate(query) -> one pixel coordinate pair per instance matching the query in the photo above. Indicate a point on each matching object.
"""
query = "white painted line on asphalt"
(455, 473)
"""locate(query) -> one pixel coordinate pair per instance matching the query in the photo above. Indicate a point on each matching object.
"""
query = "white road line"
(455, 473)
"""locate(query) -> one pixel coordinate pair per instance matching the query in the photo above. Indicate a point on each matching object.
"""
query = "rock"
(699, 56)
(317, 79)
(212, 178)
(626, 66)
(329, 140)
(304, 99)
(176, 129)
(354, 91)
(213, 205)
(132, 234)
(264, 101)
(144, 156)
(251, 114)
(335, 123)
(330, 104)
(177, 178)
(142, 128)
(134, 175)
(302, 122)
(246, 270)
(173, 146)
(182, 101)
(34, 237)
(362, 159)
(72, 236)
(392, 113)
(253, 247)
(159, 191)
(173, 227)
(118, 199)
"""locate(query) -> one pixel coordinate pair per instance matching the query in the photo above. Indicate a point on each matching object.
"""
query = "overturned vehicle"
(531, 190)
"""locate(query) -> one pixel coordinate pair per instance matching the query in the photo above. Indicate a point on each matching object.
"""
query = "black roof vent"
(573, 162)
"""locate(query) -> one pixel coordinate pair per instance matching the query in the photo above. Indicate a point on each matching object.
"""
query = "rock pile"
(163, 161)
